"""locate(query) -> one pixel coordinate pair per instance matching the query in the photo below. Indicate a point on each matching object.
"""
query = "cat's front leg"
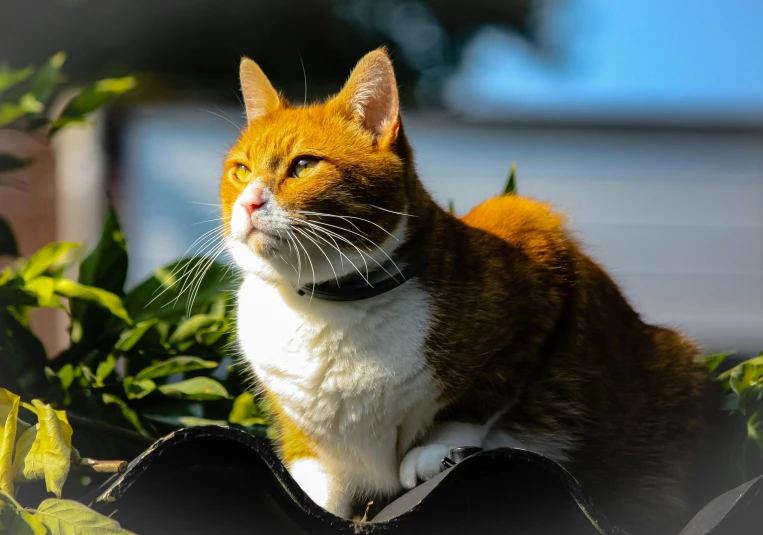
(425, 461)
(322, 485)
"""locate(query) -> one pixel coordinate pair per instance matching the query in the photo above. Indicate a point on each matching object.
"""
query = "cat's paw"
(422, 463)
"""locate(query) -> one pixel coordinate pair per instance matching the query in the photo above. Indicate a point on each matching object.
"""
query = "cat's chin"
(258, 260)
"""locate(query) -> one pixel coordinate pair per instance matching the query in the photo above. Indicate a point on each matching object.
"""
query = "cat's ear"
(259, 96)
(371, 94)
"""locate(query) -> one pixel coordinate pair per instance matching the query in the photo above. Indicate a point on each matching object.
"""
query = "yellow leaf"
(9, 413)
(28, 524)
(66, 517)
(28, 461)
(54, 436)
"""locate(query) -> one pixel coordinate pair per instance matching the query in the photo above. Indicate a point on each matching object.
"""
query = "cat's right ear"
(371, 95)
(259, 96)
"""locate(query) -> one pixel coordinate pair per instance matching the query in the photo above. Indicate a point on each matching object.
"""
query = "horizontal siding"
(675, 216)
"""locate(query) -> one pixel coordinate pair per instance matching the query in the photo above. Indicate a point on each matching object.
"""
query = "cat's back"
(533, 227)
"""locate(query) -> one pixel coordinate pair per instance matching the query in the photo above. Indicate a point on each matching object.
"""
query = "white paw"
(422, 463)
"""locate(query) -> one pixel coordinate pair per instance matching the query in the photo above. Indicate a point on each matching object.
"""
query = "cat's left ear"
(259, 96)
(371, 95)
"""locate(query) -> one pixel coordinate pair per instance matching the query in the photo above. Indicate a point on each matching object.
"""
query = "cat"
(383, 331)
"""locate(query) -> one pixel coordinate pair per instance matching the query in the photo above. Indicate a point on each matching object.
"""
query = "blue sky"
(653, 57)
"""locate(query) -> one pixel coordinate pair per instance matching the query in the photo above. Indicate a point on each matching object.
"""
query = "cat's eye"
(242, 173)
(302, 163)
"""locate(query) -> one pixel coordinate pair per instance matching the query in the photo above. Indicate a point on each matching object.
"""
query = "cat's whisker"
(318, 214)
(199, 271)
(237, 127)
(322, 252)
(336, 246)
(364, 238)
(299, 257)
(199, 279)
(304, 75)
(334, 234)
(195, 293)
(341, 253)
(312, 269)
(223, 219)
(364, 254)
(348, 217)
(181, 268)
(191, 275)
(287, 262)
(391, 211)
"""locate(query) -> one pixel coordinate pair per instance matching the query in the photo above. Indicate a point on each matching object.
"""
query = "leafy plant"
(509, 189)
(743, 398)
(26, 96)
(511, 183)
(41, 452)
(147, 358)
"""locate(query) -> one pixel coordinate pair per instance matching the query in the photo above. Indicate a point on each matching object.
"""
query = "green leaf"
(9, 415)
(196, 388)
(46, 258)
(109, 301)
(173, 366)
(157, 297)
(8, 246)
(67, 517)
(27, 104)
(130, 337)
(713, 361)
(746, 375)
(451, 207)
(47, 77)
(511, 184)
(28, 524)
(219, 306)
(104, 369)
(211, 335)
(14, 520)
(128, 414)
(43, 288)
(246, 412)
(188, 329)
(138, 389)
(10, 77)
(105, 268)
(9, 162)
(93, 97)
(66, 376)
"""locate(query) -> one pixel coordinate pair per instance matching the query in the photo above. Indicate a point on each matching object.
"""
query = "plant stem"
(103, 467)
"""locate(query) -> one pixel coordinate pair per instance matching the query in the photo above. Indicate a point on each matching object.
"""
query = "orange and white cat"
(498, 332)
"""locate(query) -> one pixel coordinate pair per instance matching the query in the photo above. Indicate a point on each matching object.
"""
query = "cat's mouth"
(262, 241)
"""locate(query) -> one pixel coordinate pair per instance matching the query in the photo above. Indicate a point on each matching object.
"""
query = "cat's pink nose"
(252, 199)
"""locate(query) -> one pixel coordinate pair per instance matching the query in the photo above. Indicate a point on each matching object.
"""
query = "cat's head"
(314, 193)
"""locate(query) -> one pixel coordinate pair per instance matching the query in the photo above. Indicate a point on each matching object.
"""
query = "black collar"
(355, 288)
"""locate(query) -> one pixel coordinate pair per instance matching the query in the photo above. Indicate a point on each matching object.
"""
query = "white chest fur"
(353, 374)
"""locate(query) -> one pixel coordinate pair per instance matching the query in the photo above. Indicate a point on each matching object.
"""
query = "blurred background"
(642, 120)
